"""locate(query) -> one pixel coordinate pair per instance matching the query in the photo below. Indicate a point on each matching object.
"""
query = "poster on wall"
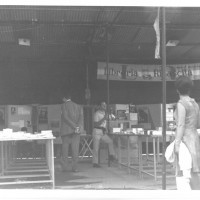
(49, 117)
(143, 115)
(13, 110)
(2, 117)
(19, 116)
(43, 115)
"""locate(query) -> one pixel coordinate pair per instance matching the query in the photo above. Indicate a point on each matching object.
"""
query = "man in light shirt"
(100, 133)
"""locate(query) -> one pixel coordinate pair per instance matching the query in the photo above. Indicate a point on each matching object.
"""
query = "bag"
(169, 153)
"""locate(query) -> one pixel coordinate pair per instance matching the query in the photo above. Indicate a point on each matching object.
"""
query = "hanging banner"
(157, 30)
(134, 72)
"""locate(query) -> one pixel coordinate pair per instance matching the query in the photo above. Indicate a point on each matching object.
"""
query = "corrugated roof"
(108, 15)
(193, 36)
(62, 27)
(6, 51)
(194, 53)
(134, 15)
(183, 15)
(125, 34)
(146, 35)
(6, 34)
(179, 51)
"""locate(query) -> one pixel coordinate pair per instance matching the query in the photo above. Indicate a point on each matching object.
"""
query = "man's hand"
(77, 130)
(176, 149)
(106, 116)
(104, 130)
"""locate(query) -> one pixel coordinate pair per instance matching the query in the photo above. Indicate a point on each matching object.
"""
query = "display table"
(155, 136)
(128, 165)
(24, 171)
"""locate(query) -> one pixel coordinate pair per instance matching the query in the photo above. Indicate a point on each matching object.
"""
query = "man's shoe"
(112, 158)
(96, 165)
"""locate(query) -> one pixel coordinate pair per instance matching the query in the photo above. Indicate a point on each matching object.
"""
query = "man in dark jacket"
(71, 127)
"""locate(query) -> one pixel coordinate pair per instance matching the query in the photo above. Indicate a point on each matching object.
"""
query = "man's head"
(184, 85)
(103, 105)
(67, 96)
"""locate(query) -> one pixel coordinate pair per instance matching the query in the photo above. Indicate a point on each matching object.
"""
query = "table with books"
(24, 171)
(144, 161)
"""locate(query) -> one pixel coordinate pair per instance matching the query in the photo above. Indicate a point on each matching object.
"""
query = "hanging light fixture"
(172, 43)
(24, 42)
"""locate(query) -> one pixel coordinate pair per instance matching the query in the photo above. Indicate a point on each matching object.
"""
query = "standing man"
(71, 127)
(100, 133)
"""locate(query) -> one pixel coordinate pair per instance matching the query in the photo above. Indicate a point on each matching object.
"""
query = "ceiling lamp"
(172, 43)
(25, 42)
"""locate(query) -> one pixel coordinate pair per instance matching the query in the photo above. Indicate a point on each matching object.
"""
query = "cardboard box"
(132, 109)
(122, 107)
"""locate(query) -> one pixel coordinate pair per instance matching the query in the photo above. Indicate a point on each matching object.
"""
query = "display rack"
(25, 171)
(145, 163)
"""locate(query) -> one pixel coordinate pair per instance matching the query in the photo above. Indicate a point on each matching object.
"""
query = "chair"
(86, 142)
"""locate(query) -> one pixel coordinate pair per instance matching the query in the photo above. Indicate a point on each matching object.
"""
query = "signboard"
(134, 72)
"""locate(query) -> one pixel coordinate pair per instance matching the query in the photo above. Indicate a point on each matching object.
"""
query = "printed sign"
(133, 72)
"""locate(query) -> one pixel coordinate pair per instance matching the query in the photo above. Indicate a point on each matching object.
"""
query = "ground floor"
(105, 177)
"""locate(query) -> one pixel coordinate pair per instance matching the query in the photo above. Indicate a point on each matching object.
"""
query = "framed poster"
(143, 115)
(43, 115)
(2, 116)
(13, 110)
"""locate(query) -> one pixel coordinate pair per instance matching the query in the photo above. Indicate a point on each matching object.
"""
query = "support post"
(163, 98)
(107, 77)
(108, 85)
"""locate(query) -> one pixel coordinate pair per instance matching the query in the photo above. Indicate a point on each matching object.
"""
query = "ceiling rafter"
(169, 26)
(80, 43)
(77, 8)
(114, 60)
(91, 37)
(88, 24)
(174, 10)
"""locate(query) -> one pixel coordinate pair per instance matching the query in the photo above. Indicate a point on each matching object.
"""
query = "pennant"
(157, 30)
